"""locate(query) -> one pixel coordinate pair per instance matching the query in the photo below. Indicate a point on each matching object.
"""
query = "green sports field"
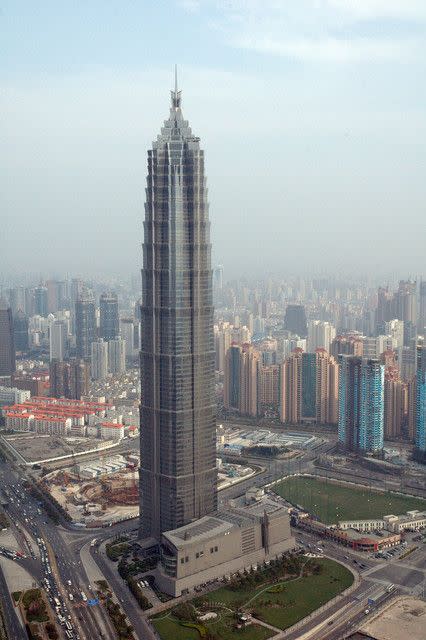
(332, 502)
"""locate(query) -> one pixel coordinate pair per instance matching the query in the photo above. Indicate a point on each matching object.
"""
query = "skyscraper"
(7, 341)
(108, 316)
(291, 388)
(320, 335)
(420, 415)
(295, 320)
(117, 356)
(361, 404)
(85, 325)
(58, 340)
(99, 359)
(20, 328)
(178, 431)
(40, 301)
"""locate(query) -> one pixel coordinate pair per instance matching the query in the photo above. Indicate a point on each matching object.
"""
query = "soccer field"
(331, 502)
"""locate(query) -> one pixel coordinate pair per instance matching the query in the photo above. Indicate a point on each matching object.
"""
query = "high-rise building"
(99, 359)
(218, 277)
(58, 340)
(421, 324)
(395, 329)
(361, 404)
(406, 308)
(309, 385)
(295, 320)
(117, 356)
(326, 388)
(52, 287)
(108, 319)
(291, 388)
(7, 340)
(385, 308)
(396, 403)
(178, 426)
(249, 366)
(69, 379)
(420, 416)
(40, 301)
(350, 345)
(85, 325)
(320, 335)
(231, 386)
(223, 337)
(20, 328)
(268, 386)
(17, 300)
(127, 332)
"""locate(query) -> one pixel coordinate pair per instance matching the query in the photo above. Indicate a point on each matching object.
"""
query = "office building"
(406, 308)
(178, 427)
(108, 316)
(218, 278)
(291, 388)
(20, 330)
(295, 320)
(320, 335)
(85, 325)
(117, 356)
(58, 340)
(420, 415)
(99, 359)
(7, 340)
(361, 404)
(40, 301)
(17, 300)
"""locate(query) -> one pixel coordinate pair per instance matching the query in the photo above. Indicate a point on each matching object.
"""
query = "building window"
(215, 548)
(211, 549)
(197, 555)
(187, 559)
(182, 560)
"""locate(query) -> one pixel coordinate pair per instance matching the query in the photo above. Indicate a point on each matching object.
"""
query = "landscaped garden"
(280, 594)
(331, 502)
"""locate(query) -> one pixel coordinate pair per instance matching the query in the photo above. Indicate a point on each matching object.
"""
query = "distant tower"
(85, 325)
(7, 341)
(117, 356)
(178, 408)
(20, 327)
(291, 388)
(109, 323)
(40, 301)
(99, 359)
(58, 340)
(295, 320)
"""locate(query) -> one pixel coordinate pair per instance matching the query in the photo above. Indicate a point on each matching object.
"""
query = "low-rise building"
(214, 546)
(13, 395)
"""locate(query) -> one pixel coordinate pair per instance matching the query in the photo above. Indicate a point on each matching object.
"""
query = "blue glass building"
(361, 404)
(421, 400)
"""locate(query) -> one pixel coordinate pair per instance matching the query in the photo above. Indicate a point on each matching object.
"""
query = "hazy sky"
(312, 114)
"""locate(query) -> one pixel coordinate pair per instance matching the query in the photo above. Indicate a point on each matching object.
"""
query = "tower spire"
(176, 94)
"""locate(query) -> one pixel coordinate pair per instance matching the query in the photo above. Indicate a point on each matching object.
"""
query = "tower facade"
(178, 423)
(420, 412)
(7, 340)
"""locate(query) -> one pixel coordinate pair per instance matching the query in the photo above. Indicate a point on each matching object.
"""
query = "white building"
(117, 356)
(58, 339)
(395, 329)
(127, 331)
(99, 359)
(12, 395)
(320, 335)
(112, 431)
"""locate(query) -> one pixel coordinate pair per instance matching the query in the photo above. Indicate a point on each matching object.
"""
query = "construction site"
(97, 493)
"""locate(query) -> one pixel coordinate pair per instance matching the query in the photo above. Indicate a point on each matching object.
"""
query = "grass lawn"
(171, 629)
(281, 609)
(299, 597)
(332, 502)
